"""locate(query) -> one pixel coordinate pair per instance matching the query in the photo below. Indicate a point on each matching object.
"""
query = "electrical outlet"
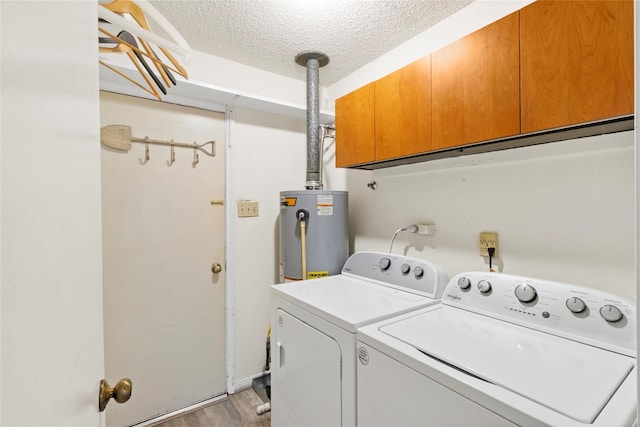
(247, 208)
(488, 240)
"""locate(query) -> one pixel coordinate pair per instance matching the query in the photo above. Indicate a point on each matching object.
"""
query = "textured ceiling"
(269, 33)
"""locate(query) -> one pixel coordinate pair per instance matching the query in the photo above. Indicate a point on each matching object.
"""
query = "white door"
(50, 286)
(163, 229)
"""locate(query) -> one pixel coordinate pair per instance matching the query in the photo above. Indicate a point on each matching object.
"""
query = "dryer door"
(306, 375)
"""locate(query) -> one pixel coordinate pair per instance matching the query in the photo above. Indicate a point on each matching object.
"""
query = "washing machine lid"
(349, 302)
(571, 378)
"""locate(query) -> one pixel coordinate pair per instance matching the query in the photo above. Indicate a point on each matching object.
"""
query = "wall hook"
(196, 158)
(372, 185)
(146, 149)
(172, 158)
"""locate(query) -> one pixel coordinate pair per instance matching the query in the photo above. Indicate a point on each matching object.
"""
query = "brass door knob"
(216, 268)
(121, 392)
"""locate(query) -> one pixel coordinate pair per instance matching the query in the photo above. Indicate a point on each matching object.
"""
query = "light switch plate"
(247, 208)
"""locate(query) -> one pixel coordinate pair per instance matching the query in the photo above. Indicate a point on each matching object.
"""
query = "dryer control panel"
(586, 315)
(403, 272)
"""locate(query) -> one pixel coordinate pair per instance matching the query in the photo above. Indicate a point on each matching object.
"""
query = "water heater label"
(317, 274)
(324, 204)
(288, 201)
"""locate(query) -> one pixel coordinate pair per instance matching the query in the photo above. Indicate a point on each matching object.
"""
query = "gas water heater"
(314, 237)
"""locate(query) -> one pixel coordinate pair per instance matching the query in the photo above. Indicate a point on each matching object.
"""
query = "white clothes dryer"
(313, 339)
(502, 350)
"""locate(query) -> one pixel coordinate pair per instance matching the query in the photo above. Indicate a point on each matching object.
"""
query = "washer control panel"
(575, 312)
(406, 273)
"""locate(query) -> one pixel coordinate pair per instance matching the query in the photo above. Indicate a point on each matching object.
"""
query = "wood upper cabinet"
(355, 127)
(403, 111)
(475, 86)
(554, 64)
(577, 62)
(386, 119)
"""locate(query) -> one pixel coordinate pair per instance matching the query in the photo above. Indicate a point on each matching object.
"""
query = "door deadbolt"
(216, 268)
(121, 392)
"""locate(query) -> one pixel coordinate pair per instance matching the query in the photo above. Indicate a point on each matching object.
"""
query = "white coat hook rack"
(119, 137)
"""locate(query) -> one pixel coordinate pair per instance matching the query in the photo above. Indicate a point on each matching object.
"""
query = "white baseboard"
(247, 382)
(239, 386)
(182, 411)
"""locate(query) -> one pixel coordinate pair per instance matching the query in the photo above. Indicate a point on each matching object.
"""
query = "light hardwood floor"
(237, 411)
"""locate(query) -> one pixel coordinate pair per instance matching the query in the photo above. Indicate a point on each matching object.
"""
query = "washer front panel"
(573, 379)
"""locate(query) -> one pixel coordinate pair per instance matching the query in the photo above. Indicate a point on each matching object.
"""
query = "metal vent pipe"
(313, 61)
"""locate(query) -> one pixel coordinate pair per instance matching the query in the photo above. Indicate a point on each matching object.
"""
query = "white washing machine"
(313, 340)
(502, 350)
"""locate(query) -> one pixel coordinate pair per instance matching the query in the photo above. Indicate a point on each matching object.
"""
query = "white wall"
(268, 156)
(563, 211)
(52, 356)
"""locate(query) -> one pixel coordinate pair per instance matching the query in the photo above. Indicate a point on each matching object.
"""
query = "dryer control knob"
(610, 313)
(525, 293)
(384, 264)
(464, 283)
(405, 268)
(576, 305)
(484, 286)
(418, 272)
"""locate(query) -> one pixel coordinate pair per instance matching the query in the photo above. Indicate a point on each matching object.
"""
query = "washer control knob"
(418, 272)
(525, 293)
(384, 264)
(484, 286)
(405, 268)
(610, 313)
(464, 283)
(576, 305)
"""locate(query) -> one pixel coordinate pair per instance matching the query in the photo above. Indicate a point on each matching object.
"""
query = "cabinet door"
(577, 62)
(475, 86)
(355, 127)
(403, 111)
